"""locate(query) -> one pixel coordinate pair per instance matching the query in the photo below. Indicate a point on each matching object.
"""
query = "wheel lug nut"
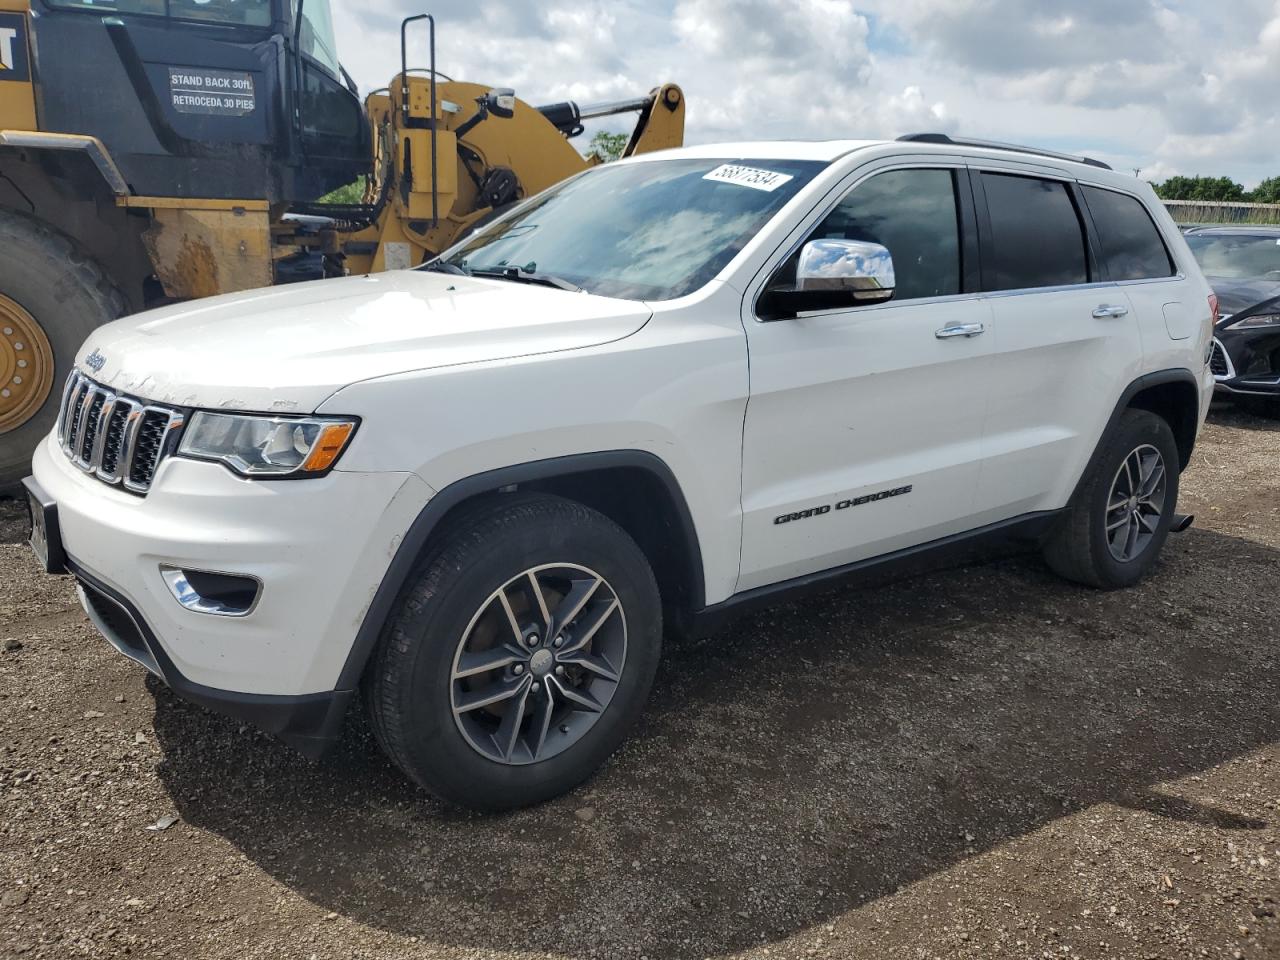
(558, 642)
(518, 669)
(560, 671)
(533, 640)
(564, 728)
(536, 688)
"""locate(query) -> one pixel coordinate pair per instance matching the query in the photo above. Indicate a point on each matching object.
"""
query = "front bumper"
(310, 723)
(320, 547)
(1247, 362)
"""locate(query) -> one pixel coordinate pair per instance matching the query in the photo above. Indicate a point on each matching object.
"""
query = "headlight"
(256, 446)
(1261, 320)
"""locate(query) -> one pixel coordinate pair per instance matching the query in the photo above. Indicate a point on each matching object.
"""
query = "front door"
(864, 425)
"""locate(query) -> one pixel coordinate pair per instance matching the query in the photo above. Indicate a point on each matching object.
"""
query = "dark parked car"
(1243, 266)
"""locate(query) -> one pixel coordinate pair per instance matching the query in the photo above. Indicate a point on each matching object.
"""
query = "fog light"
(217, 594)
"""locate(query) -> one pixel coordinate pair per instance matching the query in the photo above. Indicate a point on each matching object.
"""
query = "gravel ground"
(983, 762)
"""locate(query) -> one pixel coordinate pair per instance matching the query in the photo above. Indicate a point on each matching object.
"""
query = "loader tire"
(52, 296)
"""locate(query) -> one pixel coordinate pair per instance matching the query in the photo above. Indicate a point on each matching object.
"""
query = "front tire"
(1119, 519)
(522, 652)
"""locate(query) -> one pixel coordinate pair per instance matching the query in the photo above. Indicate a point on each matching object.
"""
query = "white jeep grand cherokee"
(479, 491)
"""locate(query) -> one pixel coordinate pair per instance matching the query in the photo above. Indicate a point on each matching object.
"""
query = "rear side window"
(1131, 244)
(1036, 237)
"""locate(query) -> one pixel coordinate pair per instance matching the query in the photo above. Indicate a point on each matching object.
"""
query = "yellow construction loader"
(162, 150)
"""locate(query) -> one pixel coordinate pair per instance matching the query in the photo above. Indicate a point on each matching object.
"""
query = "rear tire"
(1111, 535)
(52, 296)
(471, 693)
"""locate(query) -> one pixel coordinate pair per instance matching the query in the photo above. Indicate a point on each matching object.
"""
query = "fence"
(1205, 211)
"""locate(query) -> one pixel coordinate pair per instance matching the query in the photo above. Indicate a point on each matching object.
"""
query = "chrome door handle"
(960, 330)
(1110, 312)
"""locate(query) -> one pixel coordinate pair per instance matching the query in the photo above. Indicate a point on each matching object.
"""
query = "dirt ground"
(983, 762)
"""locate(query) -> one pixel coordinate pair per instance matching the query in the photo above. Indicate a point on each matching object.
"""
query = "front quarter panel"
(677, 389)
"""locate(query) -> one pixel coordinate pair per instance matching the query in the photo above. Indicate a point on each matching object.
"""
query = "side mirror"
(500, 102)
(834, 273)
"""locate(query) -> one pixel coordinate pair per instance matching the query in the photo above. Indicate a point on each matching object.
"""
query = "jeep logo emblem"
(95, 361)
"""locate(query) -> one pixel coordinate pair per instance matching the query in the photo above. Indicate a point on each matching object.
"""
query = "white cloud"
(1151, 84)
(1158, 171)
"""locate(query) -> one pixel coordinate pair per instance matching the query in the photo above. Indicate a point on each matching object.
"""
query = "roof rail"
(992, 145)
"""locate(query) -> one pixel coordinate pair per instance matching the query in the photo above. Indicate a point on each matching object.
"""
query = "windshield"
(641, 231)
(1237, 257)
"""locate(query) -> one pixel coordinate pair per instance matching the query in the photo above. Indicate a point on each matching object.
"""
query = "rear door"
(864, 426)
(1168, 312)
(1065, 340)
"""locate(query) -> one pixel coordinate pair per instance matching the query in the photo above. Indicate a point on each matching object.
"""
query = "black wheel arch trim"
(1144, 382)
(493, 481)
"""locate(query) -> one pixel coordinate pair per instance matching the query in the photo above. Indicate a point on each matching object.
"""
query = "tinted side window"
(328, 111)
(1036, 237)
(913, 214)
(1131, 244)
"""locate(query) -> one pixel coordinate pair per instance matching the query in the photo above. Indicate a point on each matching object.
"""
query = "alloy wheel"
(1136, 503)
(538, 663)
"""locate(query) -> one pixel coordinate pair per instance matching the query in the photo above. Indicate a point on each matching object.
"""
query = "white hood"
(285, 349)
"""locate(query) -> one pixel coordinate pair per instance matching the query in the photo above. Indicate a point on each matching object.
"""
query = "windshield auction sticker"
(752, 177)
(213, 93)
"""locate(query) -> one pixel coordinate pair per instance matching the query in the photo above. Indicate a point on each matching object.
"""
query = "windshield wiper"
(444, 266)
(520, 275)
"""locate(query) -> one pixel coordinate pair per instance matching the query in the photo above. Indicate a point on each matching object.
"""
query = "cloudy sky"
(1167, 86)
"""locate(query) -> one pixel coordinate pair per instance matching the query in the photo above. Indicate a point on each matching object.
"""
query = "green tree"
(1222, 189)
(351, 193)
(1268, 191)
(607, 146)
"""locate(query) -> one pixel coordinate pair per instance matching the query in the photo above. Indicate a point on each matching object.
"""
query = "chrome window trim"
(1172, 278)
(1056, 288)
(860, 309)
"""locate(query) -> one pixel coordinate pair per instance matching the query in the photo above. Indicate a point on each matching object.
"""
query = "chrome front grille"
(118, 439)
